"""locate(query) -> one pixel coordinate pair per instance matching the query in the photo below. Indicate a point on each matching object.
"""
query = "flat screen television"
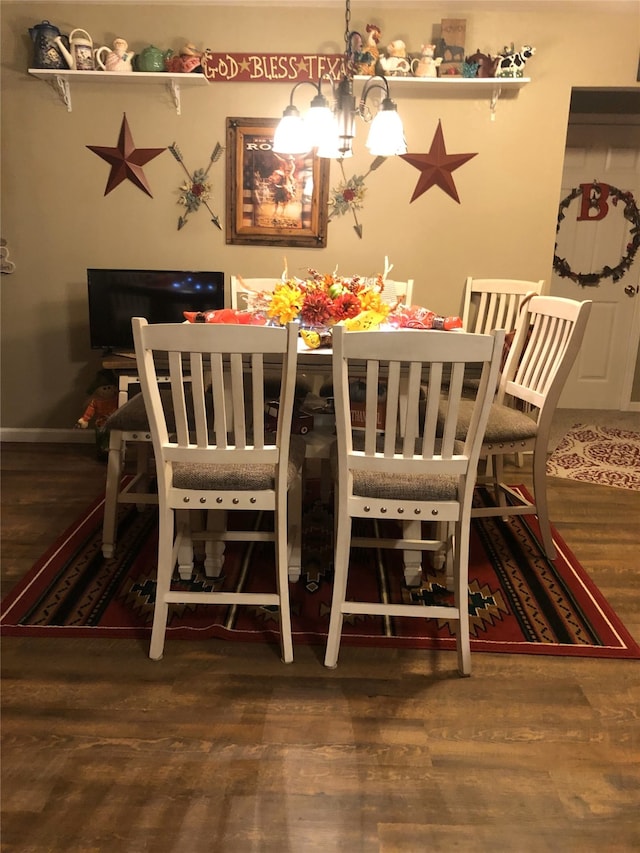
(161, 296)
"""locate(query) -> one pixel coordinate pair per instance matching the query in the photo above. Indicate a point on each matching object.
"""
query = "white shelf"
(448, 86)
(62, 80)
(462, 83)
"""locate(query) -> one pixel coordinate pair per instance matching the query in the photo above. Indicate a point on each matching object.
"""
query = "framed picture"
(273, 199)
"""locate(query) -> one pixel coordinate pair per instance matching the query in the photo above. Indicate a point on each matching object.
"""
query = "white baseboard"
(54, 436)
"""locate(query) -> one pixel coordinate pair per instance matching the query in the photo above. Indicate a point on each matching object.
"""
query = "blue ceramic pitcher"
(46, 53)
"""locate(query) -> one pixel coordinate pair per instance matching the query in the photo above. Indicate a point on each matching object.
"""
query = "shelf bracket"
(494, 101)
(64, 90)
(174, 88)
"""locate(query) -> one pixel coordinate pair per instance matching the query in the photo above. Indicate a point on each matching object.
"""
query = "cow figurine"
(512, 64)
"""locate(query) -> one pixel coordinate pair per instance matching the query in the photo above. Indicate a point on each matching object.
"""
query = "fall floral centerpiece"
(324, 299)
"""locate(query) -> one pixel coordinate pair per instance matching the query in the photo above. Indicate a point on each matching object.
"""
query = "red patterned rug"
(598, 454)
(518, 600)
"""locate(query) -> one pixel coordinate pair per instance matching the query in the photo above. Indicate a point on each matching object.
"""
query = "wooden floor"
(221, 747)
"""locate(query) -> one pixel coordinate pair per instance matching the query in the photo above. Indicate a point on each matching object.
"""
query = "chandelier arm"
(315, 85)
(372, 83)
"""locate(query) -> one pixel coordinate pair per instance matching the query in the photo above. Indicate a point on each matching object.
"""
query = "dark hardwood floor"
(221, 747)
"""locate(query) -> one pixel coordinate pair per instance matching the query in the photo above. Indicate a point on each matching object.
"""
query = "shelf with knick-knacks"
(61, 80)
(450, 85)
(438, 86)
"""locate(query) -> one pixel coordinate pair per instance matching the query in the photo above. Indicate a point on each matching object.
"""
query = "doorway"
(603, 144)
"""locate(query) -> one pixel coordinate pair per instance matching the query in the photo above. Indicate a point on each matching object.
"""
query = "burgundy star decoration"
(436, 167)
(126, 160)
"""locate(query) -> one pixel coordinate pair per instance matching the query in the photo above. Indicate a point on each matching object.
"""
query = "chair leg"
(143, 459)
(114, 474)
(412, 559)
(540, 498)
(185, 551)
(282, 578)
(294, 534)
(461, 594)
(341, 569)
(214, 547)
(163, 585)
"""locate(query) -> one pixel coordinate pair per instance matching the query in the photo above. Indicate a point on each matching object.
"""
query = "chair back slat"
(392, 412)
(198, 398)
(454, 395)
(436, 379)
(235, 380)
(371, 407)
(220, 416)
(176, 377)
(411, 412)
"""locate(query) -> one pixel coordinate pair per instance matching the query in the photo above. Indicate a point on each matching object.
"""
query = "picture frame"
(273, 199)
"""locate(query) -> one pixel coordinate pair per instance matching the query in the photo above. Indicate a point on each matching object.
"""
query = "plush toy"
(103, 402)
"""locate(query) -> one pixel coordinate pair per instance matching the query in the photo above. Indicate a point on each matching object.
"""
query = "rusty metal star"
(126, 160)
(436, 167)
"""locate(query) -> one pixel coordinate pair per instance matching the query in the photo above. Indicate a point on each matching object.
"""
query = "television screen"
(161, 296)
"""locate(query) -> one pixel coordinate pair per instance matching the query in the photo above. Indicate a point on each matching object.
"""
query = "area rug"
(519, 601)
(598, 454)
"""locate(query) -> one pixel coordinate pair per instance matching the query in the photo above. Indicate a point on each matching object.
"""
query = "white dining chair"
(410, 477)
(494, 303)
(398, 291)
(548, 336)
(220, 458)
(241, 289)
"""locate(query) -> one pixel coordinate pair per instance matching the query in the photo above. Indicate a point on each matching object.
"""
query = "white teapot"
(118, 59)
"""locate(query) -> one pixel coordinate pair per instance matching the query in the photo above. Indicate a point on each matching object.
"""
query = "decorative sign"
(271, 67)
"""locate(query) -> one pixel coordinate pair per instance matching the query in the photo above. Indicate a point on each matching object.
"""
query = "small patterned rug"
(598, 454)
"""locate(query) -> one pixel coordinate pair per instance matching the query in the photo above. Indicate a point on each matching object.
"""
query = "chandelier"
(331, 129)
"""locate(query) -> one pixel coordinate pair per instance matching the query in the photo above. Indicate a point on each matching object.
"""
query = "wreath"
(631, 213)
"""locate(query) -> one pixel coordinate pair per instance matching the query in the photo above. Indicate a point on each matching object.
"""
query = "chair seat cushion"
(238, 477)
(403, 487)
(505, 423)
(370, 484)
(132, 415)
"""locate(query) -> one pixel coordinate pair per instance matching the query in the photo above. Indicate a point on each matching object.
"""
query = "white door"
(601, 378)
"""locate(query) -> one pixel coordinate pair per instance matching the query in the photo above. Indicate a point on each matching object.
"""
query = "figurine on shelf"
(366, 65)
(486, 65)
(189, 60)
(395, 63)
(119, 59)
(426, 65)
(511, 64)
(103, 402)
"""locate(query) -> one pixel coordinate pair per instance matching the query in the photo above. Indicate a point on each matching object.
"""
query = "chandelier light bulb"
(386, 134)
(291, 135)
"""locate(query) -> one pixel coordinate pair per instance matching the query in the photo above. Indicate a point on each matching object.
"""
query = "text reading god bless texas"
(218, 66)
